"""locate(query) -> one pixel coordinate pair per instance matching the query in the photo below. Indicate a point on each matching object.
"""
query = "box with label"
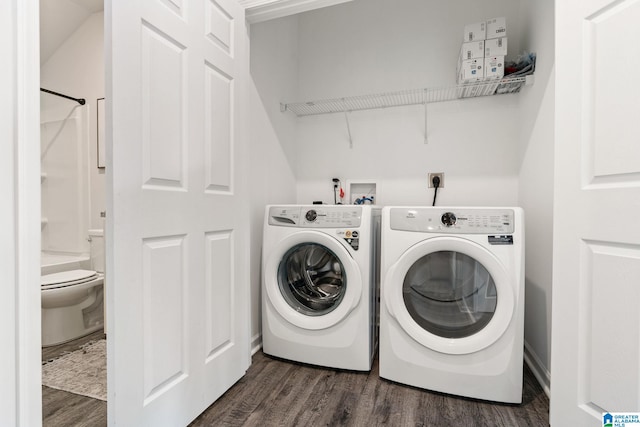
(472, 50)
(493, 67)
(496, 27)
(495, 47)
(475, 32)
(470, 70)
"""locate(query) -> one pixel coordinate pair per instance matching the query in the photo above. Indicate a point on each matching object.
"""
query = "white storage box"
(470, 70)
(495, 47)
(475, 32)
(494, 67)
(496, 27)
(472, 50)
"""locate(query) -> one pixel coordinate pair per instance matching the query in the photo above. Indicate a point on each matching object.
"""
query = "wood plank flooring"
(56, 351)
(60, 408)
(276, 392)
(281, 393)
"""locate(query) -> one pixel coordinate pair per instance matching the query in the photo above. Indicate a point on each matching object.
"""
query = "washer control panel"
(316, 216)
(453, 220)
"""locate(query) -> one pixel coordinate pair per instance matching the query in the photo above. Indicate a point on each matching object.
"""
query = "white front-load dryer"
(319, 281)
(452, 300)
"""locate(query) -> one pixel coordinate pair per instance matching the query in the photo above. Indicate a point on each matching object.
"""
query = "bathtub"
(55, 262)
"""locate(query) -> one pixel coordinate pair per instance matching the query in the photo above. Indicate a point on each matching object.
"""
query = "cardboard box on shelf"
(475, 32)
(470, 70)
(472, 50)
(495, 47)
(493, 67)
(496, 27)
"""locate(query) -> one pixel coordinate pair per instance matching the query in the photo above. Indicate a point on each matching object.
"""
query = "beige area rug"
(83, 371)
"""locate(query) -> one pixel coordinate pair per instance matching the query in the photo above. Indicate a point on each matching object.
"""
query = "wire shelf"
(408, 97)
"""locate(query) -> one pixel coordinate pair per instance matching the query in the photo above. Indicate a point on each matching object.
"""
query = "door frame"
(21, 389)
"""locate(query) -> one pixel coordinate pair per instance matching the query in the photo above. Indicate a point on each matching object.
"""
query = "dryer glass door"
(311, 279)
(450, 294)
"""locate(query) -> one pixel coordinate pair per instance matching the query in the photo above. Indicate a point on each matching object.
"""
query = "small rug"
(83, 371)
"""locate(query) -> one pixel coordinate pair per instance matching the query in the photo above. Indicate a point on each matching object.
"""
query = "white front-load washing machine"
(452, 300)
(319, 281)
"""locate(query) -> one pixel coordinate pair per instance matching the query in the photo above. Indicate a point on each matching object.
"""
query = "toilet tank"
(96, 248)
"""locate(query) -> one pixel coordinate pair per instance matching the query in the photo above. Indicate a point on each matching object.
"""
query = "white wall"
(272, 135)
(77, 69)
(376, 46)
(536, 182)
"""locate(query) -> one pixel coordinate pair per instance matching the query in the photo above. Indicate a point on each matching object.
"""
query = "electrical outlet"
(433, 175)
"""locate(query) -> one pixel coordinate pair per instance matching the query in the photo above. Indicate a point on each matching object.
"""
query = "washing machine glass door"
(312, 280)
(451, 295)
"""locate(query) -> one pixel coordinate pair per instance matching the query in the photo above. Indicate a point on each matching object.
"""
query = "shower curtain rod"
(80, 101)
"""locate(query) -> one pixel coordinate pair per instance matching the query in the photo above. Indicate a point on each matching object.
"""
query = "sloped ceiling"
(59, 19)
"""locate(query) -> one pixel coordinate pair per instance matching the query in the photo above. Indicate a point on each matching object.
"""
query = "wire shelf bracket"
(426, 116)
(346, 117)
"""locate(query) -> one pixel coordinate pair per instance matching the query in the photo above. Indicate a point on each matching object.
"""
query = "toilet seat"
(67, 278)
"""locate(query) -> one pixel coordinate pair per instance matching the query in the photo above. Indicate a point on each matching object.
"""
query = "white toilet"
(72, 301)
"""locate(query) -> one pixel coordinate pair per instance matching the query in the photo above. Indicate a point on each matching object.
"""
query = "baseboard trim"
(256, 343)
(539, 371)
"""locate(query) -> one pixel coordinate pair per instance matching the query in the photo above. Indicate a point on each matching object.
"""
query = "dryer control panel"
(316, 216)
(453, 220)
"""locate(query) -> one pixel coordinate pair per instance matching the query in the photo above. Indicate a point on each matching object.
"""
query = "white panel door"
(596, 283)
(178, 209)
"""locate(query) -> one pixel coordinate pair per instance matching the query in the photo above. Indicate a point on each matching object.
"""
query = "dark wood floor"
(280, 393)
(276, 392)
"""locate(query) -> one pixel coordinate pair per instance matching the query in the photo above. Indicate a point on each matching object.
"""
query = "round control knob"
(311, 215)
(448, 219)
